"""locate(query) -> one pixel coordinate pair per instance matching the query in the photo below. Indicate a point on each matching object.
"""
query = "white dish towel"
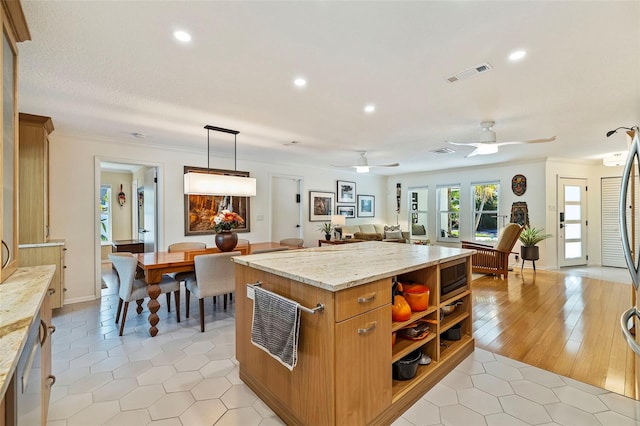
(276, 326)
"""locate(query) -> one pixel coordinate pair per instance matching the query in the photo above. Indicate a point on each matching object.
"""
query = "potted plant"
(326, 229)
(530, 237)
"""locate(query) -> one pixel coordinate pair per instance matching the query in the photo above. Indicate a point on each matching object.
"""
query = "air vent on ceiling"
(469, 72)
(442, 151)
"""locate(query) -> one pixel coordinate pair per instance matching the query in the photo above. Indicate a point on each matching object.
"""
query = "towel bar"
(319, 307)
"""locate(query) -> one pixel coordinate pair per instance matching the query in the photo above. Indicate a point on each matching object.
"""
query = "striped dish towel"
(276, 326)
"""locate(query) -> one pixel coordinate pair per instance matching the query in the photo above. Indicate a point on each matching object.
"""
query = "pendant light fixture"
(198, 183)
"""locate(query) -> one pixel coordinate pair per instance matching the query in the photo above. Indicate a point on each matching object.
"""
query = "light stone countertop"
(20, 298)
(337, 267)
(47, 244)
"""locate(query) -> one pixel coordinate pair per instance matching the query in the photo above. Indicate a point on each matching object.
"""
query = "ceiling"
(110, 69)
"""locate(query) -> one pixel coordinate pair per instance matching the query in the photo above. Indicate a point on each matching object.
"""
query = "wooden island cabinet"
(345, 356)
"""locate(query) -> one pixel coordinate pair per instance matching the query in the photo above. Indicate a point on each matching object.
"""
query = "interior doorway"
(128, 196)
(286, 209)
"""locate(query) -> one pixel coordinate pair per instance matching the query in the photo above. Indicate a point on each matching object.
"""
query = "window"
(448, 212)
(485, 211)
(105, 212)
(418, 213)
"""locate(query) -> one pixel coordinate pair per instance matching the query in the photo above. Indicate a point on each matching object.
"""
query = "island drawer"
(357, 300)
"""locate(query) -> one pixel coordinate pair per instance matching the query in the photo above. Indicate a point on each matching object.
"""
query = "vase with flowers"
(223, 224)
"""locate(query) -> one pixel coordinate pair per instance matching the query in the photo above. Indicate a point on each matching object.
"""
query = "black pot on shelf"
(530, 253)
(407, 367)
(327, 237)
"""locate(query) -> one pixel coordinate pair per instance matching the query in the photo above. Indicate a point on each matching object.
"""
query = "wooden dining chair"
(131, 288)
(215, 276)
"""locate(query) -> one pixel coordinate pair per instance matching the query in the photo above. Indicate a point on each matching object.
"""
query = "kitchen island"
(345, 355)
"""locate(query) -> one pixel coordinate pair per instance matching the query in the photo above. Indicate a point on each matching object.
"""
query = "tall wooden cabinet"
(34, 178)
(35, 246)
(14, 30)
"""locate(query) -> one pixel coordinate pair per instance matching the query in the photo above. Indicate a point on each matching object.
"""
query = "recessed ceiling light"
(300, 82)
(517, 55)
(369, 108)
(182, 36)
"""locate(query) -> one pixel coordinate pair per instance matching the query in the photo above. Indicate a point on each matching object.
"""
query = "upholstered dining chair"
(294, 242)
(131, 288)
(215, 275)
(495, 260)
(182, 276)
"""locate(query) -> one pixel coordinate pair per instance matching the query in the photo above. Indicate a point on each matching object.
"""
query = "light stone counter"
(341, 266)
(49, 243)
(20, 298)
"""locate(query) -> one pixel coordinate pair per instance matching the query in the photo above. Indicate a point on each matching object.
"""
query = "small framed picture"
(366, 206)
(321, 206)
(347, 211)
(346, 192)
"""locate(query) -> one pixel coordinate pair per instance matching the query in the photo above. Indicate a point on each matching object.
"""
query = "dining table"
(155, 264)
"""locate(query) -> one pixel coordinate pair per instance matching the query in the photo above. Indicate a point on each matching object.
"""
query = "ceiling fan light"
(362, 169)
(485, 149)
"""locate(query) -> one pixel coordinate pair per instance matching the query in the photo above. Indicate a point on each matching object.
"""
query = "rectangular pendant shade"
(213, 184)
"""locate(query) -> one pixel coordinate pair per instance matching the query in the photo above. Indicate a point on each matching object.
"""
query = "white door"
(572, 223)
(286, 210)
(150, 206)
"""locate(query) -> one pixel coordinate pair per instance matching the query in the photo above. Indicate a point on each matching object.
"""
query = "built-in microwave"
(453, 278)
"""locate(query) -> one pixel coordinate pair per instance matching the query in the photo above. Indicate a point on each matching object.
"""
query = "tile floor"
(184, 377)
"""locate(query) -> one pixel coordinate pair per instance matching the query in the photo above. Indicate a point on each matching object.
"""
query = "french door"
(572, 222)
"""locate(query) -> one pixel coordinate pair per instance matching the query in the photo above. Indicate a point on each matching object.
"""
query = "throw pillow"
(393, 235)
(418, 230)
(392, 228)
(367, 237)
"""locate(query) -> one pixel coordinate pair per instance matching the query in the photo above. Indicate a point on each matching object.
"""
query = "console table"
(131, 246)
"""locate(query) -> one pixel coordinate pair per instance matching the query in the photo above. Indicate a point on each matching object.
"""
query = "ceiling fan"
(487, 142)
(363, 165)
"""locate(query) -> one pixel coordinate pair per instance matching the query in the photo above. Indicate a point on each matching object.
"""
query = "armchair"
(494, 260)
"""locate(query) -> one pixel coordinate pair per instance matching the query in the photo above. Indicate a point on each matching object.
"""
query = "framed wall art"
(347, 211)
(520, 213)
(199, 210)
(321, 206)
(366, 206)
(346, 192)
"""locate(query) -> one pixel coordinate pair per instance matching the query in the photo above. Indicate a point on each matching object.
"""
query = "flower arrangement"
(226, 221)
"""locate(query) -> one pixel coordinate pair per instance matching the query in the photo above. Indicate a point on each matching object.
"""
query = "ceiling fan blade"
(463, 143)
(385, 165)
(551, 139)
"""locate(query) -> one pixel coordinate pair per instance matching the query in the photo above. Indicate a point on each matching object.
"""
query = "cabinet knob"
(366, 298)
(51, 380)
(65, 266)
(52, 329)
(368, 329)
(51, 291)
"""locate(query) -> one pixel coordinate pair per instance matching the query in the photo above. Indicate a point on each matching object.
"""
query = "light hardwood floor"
(563, 323)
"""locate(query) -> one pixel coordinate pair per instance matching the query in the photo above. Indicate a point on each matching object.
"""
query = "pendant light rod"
(235, 143)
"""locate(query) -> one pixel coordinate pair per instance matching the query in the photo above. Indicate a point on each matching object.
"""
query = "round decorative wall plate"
(519, 184)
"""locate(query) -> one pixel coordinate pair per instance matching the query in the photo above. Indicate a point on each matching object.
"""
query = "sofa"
(375, 232)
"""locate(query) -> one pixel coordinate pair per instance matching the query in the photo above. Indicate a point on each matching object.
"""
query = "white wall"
(74, 206)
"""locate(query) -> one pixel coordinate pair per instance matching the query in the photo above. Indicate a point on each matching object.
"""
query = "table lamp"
(337, 220)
